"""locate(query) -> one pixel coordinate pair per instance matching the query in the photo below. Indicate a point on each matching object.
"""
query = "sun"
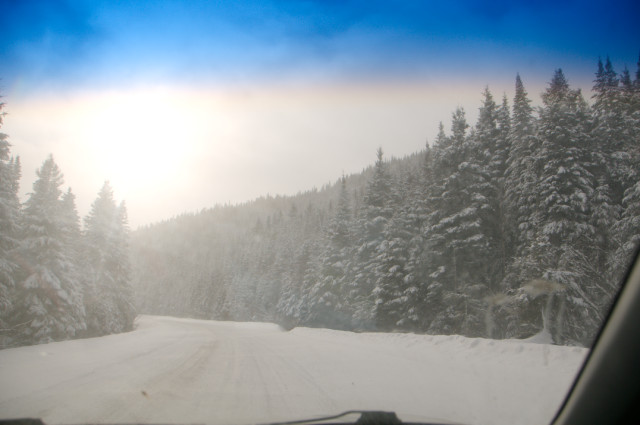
(143, 139)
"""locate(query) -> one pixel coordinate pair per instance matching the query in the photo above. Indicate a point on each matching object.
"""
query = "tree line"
(58, 280)
(520, 224)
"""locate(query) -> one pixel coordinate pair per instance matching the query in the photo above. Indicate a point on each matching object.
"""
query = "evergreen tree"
(627, 233)
(49, 295)
(340, 227)
(493, 129)
(636, 89)
(70, 224)
(378, 196)
(623, 238)
(109, 298)
(397, 271)
(297, 298)
(374, 216)
(522, 214)
(565, 186)
(609, 132)
(453, 232)
(521, 174)
(9, 231)
(522, 217)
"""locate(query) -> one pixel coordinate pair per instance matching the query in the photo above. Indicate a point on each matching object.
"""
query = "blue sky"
(120, 42)
(276, 96)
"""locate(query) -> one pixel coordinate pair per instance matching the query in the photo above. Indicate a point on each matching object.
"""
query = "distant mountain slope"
(519, 223)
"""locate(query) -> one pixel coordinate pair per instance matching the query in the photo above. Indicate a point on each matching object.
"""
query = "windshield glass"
(268, 211)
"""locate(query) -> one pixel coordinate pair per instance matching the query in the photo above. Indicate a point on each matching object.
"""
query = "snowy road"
(189, 371)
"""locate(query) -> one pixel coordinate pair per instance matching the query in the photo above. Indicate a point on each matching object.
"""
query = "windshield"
(269, 211)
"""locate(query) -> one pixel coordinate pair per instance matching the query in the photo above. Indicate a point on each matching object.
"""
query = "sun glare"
(143, 139)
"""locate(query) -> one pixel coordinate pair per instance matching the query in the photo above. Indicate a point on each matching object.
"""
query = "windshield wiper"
(367, 417)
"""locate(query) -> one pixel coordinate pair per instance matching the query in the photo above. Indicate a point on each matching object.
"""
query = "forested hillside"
(58, 280)
(519, 223)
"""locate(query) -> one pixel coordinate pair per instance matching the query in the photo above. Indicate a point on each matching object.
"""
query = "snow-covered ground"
(192, 371)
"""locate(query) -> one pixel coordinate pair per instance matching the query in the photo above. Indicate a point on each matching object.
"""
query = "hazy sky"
(185, 104)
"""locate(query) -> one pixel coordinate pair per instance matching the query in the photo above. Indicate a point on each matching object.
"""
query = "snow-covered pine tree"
(416, 212)
(397, 267)
(326, 298)
(340, 232)
(625, 235)
(109, 298)
(611, 161)
(492, 132)
(467, 237)
(499, 168)
(295, 299)
(420, 290)
(629, 93)
(480, 229)
(72, 240)
(379, 192)
(9, 232)
(49, 295)
(70, 225)
(610, 156)
(636, 86)
(377, 209)
(566, 233)
(521, 175)
(451, 223)
(522, 214)
(627, 231)
(122, 267)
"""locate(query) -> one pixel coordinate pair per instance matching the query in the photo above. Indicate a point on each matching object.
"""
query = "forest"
(58, 280)
(518, 225)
